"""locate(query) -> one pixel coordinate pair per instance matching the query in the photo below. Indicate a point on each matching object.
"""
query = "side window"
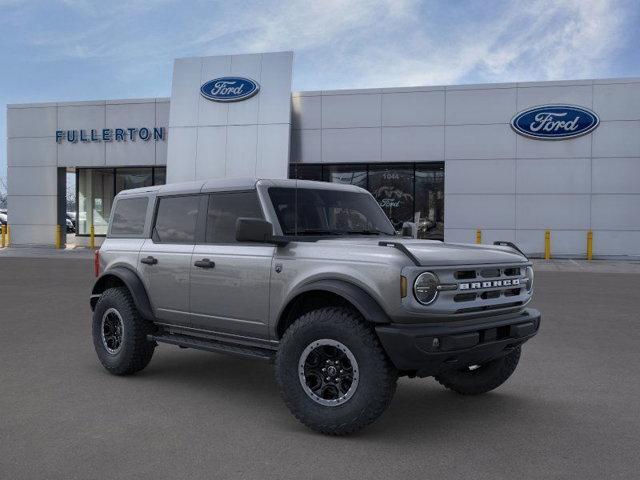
(129, 216)
(224, 209)
(176, 219)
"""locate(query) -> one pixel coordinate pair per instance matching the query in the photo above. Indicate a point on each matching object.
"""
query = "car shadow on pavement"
(421, 407)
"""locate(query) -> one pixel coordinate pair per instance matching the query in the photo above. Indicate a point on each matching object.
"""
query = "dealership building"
(513, 160)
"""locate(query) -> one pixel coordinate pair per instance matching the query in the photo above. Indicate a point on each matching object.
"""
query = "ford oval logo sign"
(229, 89)
(555, 122)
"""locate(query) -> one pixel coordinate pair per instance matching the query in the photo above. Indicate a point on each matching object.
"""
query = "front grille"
(471, 289)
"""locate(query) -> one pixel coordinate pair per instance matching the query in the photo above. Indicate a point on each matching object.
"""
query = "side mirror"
(254, 230)
(408, 229)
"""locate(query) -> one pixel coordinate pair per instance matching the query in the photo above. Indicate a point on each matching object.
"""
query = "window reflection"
(392, 186)
(429, 210)
(349, 174)
(128, 178)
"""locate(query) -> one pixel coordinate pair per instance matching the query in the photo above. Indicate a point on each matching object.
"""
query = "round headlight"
(529, 274)
(426, 288)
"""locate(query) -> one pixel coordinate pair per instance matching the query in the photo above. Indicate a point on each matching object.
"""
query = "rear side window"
(224, 209)
(176, 219)
(129, 216)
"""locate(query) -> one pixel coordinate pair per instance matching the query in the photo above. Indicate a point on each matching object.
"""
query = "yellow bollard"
(547, 244)
(58, 237)
(4, 235)
(92, 237)
(478, 236)
(8, 234)
(589, 245)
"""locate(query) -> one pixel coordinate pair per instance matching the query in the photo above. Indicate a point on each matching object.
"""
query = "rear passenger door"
(165, 258)
(230, 280)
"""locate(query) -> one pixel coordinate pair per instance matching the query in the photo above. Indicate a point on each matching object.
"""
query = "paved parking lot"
(570, 411)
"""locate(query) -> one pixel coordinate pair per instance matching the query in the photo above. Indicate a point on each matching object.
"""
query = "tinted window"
(129, 215)
(392, 186)
(224, 210)
(176, 219)
(307, 211)
(305, 172)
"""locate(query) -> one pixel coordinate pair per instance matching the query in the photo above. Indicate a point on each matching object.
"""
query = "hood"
(435, 253)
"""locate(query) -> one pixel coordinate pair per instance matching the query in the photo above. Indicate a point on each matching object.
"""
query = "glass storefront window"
(393, 187)
(349, 174)
(95, 196)
(127, 178)
(305, 172)
(98, 186)
(429, 210)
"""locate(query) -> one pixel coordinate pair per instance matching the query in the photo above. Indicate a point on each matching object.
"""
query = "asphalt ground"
(571, 410)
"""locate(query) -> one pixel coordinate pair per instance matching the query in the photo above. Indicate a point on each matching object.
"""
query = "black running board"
(215, 346)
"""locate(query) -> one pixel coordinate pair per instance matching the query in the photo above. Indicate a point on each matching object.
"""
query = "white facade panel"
(273, 146)
(138, 152)
(558, 175)
(211, 144)
(480, 176)
(212, 113)
(617, 101)
(82, 117)
(246, 111)
(615, 212)
(241, 152)
(81, 154)
(468, 235)
(182, 149)
(32, 122)
(275, 80)
(571, 148)
(348, 111)
(563, 242)
(412, 144)
(351, 145)
(565, 94)
(617, 139)
(412, 108)
(495, 105)
(616, 175)
(32, 180)
(185, 92)
(306, 112)
(306, 146)
(479, 142)
(618, 243)
(162, 120)
(561, 212)
(32, 209)
(479, 211)
(44, 234)
(32, 152)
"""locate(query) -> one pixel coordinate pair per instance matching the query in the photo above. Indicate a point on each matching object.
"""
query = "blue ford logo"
(555, 122)
(229, 89)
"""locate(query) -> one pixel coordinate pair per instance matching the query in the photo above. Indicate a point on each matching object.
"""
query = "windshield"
(308, 211)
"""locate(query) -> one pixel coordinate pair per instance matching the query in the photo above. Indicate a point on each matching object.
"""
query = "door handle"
(149, 260)
(204, 263)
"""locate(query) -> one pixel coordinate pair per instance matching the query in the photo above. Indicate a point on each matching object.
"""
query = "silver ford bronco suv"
(312, 277)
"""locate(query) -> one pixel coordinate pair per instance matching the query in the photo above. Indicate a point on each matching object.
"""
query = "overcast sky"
(85, 49)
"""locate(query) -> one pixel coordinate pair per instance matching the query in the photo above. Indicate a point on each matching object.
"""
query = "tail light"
(96, 263)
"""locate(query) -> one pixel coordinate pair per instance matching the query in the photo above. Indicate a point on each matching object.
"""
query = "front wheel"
(477, 379)
(332, 372)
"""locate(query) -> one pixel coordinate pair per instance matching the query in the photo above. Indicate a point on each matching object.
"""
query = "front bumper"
(426, 350)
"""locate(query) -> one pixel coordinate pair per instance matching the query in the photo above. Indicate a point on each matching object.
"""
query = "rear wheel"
(477, 379)
(332, 372)
(120, 333)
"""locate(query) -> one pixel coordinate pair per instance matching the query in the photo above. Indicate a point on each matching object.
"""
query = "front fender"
(133, 283)
(359, 298)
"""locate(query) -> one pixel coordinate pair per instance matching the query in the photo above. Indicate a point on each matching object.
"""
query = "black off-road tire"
(377, 375)
(136, 351)
(487, 377)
